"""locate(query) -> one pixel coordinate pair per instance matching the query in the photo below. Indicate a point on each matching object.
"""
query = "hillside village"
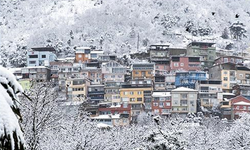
(164, 81)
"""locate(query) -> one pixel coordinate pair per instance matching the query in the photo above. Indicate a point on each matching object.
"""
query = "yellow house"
(76, 89)
(136, 97)
(25, 83)
(143, 70)
(228, 79)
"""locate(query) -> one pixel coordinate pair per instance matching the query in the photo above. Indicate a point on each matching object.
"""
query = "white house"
(41, 56)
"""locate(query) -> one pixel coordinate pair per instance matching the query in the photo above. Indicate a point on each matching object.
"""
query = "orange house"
(81, 57)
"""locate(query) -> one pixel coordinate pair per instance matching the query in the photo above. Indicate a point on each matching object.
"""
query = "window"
(149, 72)
(225, 72)
(132, 99)
(237, 108)
(136, 72)
(244, 107)
(139, 92)
(33, 56)
(155, 104)
(224, 85)
(161, 104)
(225, 78)
(182, 64)
(176, 64)
(225, 60)
(184, 96)
(125, 93)
(175, 102)
(139, 99)
(79, 56)
(125, 105)
(131, 93)
(32, 62)
(241, 75)
(167, 103)
(43, 56)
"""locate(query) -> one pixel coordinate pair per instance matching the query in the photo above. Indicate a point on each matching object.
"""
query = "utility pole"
(138, 42)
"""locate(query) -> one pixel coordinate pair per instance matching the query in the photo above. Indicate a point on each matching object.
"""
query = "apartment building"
(184, 100)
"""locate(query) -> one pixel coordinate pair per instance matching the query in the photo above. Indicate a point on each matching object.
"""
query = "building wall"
(185, 65)
(141, 74)
(190, 107)
(81, 57)
(25, 83)
(40, 61)
(133, 93)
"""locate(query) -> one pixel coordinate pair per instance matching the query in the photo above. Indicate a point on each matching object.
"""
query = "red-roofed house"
(239, 104)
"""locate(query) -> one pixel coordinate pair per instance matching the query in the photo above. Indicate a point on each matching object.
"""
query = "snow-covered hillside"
(115, 25)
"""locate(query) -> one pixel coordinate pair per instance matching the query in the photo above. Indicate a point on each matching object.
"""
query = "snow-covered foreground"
(75, 130)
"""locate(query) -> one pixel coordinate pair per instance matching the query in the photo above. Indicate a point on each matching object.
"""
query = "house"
(76, 89)
(230, 74)
(159, 55)
(160, 83)
(161, 103)
(36, 73)
(236, 105)
(111, 120)
(82, 54)
(106, 58)
(112, 93)
(113, 71)
(242, 89)
(210, 93)
(137, 93)
(143, 70)
(205, 50)
(184, 100)
(170, 81)
(25, 83)
(107, 108)
(94, 54)
(227, 59)
(41, 56)
(94, 74)
(96, 93)
(185, 63)
(175, 51)
(189, 78)
(66, 72)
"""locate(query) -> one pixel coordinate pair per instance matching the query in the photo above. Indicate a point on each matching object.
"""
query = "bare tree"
(40, 113)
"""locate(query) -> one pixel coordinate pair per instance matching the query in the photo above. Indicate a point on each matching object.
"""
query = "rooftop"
(184, 89)
(242, 103)
(161, 94)
(44, 49)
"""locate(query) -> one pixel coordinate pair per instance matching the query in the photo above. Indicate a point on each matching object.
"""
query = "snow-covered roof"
(97, 52)
(103, 125)
(242, 103)
(36, 67)
(161, 94)
(227, 94)
(117, 106)
(116, 116)
(184, 89)
(72, 103)
(13, 70)
(78, 48)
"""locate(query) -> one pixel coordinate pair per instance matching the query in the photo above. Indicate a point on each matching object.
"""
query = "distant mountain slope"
(115, 25)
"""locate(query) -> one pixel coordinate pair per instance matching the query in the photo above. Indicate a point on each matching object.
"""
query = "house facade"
(184, 100)
(41, 56)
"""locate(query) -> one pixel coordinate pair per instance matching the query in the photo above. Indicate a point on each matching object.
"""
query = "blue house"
(41, 56)
(189, 78)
